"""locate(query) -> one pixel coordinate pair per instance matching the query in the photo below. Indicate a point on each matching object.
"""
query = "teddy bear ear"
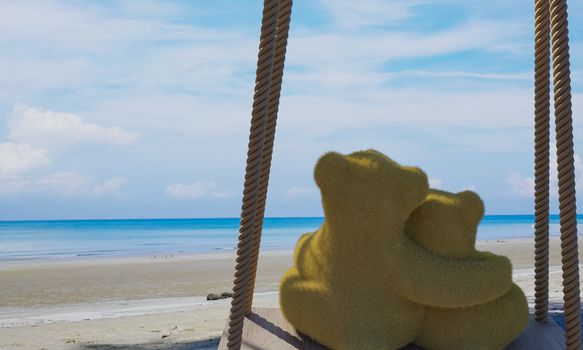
(329, 167)
(472, 203)
(415, 178)
(370, 154)
(337, 169)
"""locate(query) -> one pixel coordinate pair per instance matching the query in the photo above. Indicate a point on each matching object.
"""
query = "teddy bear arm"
(301, 246)
(306, 256)
(433, 280)
(486, 326)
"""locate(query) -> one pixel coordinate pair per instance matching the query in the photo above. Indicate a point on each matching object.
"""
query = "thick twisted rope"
(541, 157)
(567, 204)
(253, 172)
(282, 34)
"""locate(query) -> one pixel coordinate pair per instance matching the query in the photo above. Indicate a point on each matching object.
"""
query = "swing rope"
(542, 53)
(557, 11)
(281, 36)
(270, 63)
(566, 169)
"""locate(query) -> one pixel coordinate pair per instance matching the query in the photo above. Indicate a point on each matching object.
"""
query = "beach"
(159, 302)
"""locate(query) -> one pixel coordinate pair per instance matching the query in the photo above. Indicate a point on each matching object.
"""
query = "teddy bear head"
(368, 188)
(447, 223)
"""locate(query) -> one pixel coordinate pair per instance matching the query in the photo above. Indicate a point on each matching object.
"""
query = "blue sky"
(140, 109)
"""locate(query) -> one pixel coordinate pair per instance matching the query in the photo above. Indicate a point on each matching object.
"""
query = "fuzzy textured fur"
(447, 223)
(361, 282)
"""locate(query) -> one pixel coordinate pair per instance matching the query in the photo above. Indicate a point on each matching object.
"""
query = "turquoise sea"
(71, 239)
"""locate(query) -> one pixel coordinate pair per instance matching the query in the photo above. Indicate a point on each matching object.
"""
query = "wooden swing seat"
(267, 329)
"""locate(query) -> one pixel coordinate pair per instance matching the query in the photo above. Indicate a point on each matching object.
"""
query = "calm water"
(33, 240)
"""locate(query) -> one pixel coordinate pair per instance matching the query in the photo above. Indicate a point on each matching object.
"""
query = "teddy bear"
(360, 282)
(446, 224)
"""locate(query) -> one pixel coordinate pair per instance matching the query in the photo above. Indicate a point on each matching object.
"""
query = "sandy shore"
(159, 303)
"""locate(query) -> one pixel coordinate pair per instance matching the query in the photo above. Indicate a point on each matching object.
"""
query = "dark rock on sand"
(225, 295)
(213, 296)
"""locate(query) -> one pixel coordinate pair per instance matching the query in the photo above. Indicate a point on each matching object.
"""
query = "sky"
(141, 109)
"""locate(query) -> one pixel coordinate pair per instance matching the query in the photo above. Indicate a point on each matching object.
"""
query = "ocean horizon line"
(488, 216)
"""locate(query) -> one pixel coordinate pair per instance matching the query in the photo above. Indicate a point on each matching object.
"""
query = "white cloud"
(524, 185)
(470, 75)
(198, 189)
(97, 46)
(435, 183)
(17, 158)
(353, 51)
(350, 13)
(30, 127)
(299, 191)
(43, 127)
(521, 185)
(64, 184)
(91, 27)
(110, 186)
(438, 184)
(427, 109)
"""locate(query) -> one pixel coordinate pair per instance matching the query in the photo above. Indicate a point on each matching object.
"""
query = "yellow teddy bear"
(360, 282)
(447, 223)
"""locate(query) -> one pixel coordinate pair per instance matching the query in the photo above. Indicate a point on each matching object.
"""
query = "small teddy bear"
(446, 224)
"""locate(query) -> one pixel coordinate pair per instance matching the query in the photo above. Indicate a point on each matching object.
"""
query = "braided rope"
(253, 172)
(567, 204)
(541, 157)
(282, 34)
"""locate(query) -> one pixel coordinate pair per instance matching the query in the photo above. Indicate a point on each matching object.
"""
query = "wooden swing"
(253, 328)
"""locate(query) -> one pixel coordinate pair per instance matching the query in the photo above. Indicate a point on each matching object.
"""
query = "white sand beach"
(160, 302)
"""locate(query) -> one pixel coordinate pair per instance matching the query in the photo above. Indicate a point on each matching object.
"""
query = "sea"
(81, 239)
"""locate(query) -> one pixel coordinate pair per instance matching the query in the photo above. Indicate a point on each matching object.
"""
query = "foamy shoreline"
(125, 259)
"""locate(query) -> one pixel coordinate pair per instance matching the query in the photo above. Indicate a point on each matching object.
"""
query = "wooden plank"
(267, 329)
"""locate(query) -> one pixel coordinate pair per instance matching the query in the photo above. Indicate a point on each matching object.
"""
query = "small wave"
(89, 254)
